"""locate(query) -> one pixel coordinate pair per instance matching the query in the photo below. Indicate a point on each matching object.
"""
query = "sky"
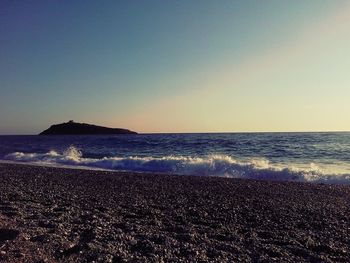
(175, 66)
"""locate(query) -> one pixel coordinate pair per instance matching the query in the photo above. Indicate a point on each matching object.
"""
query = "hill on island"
(74, 128)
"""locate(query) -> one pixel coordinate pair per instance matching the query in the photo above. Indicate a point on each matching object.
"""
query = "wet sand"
(69, 215)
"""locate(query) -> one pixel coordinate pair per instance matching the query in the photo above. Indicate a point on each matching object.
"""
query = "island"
(74, 128)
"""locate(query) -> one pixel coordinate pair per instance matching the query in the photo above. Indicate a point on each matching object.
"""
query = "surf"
(211, 165)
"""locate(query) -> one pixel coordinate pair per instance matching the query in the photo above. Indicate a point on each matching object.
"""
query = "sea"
(302, 157)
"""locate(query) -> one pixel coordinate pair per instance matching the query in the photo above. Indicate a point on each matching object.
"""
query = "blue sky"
(175, 66)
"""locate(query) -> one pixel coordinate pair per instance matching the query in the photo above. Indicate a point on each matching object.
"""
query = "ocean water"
(303, 157)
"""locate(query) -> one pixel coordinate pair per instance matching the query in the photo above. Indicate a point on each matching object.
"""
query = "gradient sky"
(175, 66)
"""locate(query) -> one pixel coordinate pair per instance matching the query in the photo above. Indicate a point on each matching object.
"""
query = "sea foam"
(211, 165)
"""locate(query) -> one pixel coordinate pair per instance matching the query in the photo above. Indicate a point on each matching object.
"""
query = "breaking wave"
(213, 165)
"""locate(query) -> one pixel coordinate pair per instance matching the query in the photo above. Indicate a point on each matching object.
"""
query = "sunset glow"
(179, 67)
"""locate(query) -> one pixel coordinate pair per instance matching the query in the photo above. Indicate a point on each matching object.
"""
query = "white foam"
(213, 165)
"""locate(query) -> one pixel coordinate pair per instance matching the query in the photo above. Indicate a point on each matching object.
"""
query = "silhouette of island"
(74, 128)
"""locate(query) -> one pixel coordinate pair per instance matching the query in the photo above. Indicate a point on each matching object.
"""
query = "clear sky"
(175, 66)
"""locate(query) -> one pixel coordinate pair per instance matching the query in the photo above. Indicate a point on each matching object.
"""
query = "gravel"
(69, 215)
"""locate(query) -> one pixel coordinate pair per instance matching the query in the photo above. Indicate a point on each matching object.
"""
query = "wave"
(213, 165)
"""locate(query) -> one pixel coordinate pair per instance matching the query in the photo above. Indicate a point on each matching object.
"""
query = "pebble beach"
(52, 214)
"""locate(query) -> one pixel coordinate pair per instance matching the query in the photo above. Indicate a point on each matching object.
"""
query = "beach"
(52, 214)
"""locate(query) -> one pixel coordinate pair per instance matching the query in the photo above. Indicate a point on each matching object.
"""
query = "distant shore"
(71, 215)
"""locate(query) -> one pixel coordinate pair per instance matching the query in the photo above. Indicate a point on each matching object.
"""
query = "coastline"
(69, 215)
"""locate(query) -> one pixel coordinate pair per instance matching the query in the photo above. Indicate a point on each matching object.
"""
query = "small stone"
(310, 242)
(46, 224)
(19, 255)
(8, 234)
(40, 238)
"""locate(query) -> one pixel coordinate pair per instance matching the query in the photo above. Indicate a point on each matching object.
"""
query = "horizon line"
(207, 132)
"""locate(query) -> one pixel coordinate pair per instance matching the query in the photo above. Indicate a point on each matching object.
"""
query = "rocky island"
(74, 128)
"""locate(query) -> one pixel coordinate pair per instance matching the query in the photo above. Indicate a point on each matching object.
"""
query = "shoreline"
(70, 215)
(331, 179)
